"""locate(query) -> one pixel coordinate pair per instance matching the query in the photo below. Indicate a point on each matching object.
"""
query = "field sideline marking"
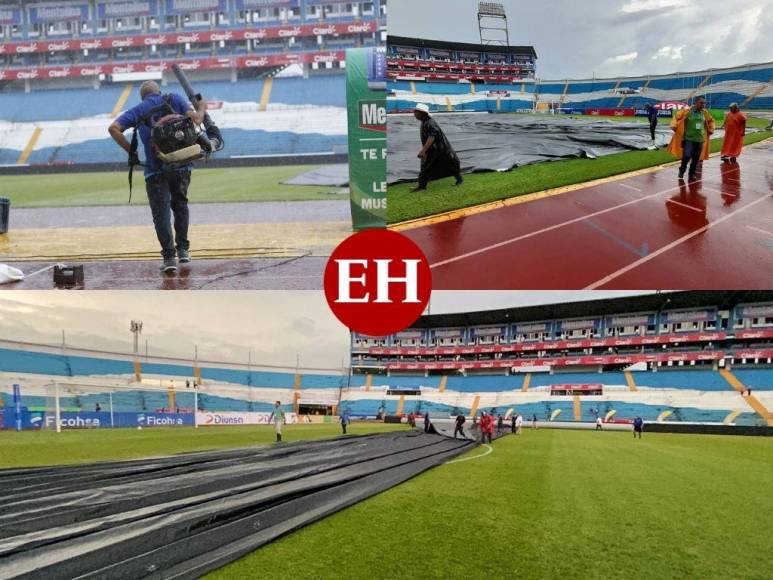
(671, 246)
(517, 200)
(490, 450)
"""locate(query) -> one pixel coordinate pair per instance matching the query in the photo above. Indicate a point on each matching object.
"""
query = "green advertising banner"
(366, 103)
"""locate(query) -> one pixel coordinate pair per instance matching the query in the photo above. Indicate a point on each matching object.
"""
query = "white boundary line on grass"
(490, 449)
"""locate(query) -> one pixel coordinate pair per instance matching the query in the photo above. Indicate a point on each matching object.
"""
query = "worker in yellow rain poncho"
(692, 130)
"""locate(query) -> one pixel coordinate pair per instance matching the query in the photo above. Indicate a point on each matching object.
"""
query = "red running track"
(644, 232)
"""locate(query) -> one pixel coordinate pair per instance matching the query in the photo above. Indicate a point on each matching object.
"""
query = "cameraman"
(167, 190)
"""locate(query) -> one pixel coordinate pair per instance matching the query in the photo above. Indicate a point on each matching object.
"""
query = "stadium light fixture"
(492, 24)
(491, 9)
(136, 329)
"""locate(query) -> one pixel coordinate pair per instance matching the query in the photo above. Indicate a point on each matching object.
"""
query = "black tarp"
(184, 515)
(502, 142)
(334, 175)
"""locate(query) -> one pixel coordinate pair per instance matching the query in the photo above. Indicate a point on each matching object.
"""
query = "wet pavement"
(202, 213)
(644, 231)
(300, 272)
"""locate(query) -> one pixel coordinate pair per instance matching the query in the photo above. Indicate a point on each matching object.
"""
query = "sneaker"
(183, 256)
(681, 174)
(459, 181)
(692, 178)
(169, 265)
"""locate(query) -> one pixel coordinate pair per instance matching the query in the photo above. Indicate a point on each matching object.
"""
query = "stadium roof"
(463, 46)
(723, 299)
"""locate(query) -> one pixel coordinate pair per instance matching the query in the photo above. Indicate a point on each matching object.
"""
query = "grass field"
(227, 184)
(487, 187)
(553, 504)
(547, 504)
(36, 448)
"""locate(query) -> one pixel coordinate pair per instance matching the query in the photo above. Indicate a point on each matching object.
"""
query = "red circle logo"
(377, 282)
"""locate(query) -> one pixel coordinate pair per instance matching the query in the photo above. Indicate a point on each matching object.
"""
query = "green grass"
(233, 184)
(478, 188)
(36, 448)
(553, 504)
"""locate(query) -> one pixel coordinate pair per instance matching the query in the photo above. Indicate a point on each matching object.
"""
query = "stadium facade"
(66, 68)
(684, 356)
(449, 77)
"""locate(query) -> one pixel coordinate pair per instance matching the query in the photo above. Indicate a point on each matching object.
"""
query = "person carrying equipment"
(167, 127)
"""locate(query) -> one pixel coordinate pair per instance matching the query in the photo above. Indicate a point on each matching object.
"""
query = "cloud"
(579, 40)
(669, 53)
(635, 6)
(627, 57)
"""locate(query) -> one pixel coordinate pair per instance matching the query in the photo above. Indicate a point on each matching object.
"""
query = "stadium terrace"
(414, 59)
(684, 356)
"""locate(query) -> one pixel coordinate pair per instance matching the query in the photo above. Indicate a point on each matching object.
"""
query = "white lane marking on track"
(629, 186)
(688, 206)
(760, 230)
(670, 246)
(490, 449)
(549, 229)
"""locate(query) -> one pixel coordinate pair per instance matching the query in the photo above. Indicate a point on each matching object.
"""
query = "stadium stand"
(749, 85)
(684, 356)
(674, 357)
(272, 72)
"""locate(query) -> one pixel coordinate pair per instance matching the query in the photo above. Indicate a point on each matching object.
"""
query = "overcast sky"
(276, 326)
(608, 37)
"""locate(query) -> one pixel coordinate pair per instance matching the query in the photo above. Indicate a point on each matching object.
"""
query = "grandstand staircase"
(756, 93)
(563, 94)
(702, 84)
(751, 400)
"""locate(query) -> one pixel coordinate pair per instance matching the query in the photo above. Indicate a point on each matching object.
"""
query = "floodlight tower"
(136, 329)
(492, 24)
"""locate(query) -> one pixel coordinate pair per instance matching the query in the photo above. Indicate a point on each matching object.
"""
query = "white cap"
(423, 108)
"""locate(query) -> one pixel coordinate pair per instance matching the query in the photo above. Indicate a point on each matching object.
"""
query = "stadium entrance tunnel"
(184, 515)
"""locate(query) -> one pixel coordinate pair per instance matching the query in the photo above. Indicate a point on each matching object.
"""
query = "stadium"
(130, 464)
(607, 180)
(273, 74)
(672, 358)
